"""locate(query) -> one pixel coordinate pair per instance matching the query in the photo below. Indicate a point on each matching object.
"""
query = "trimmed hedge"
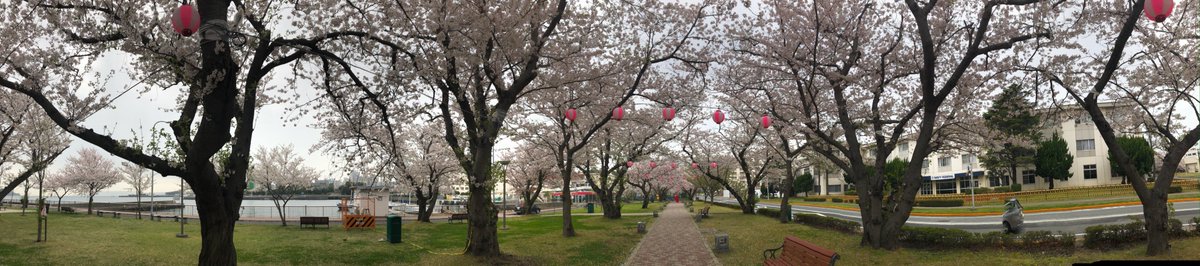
(773, 213)
(836, 224)
(838, 200)
(945, 238)
(1001, 189)
(814, 199)
(1107, 237)
(1175, 190)
(1016, 188)
(940, 203)
(735, 206)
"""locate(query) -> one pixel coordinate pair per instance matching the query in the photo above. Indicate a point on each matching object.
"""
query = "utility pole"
(973, 186)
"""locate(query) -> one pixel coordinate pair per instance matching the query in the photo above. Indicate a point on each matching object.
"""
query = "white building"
(950, 171)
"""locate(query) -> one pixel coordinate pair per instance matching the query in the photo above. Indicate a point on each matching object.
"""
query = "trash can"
(591, 207)
(393, 228)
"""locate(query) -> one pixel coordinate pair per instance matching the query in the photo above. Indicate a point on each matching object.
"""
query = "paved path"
(673, 239)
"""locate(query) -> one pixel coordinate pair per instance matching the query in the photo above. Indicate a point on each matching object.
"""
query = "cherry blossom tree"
(1139, 73)
(281, 172)
(634, 139)
(56, 59)
(852, 71)
(425, 166)
(738, 144)
(531, 170)
(138, 178)
(26, 139)
(91, 173)
(60, 186)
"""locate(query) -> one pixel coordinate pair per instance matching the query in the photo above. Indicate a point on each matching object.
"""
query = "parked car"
(1014, 216)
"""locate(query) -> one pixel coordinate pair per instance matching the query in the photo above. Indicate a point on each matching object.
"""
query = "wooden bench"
(67, 210)
(457, 216)
(314, 221)
(799, 252)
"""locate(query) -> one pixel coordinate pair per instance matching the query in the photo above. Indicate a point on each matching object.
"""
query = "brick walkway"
(673, 239)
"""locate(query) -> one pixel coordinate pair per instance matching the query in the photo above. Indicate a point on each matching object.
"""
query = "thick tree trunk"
(1155, 212)
(90, 198)
(645, 200)
(568, 228)
(1051, 182)
(425, 207)
(216, 230)
(481, 215)
(139, 205)
(612, 206)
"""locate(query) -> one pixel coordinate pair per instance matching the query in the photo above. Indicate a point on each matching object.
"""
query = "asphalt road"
(1065, 221)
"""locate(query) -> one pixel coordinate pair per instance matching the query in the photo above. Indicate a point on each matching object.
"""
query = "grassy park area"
(749, 235)
(89, 240)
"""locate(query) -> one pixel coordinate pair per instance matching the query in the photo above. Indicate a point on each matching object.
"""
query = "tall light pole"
(182, 206)
(973, 186)
(504, 196)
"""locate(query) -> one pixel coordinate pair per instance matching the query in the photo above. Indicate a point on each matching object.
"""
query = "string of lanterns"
(668, 114)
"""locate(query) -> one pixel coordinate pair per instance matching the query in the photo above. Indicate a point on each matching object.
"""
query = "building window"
(926, 188)
(835, 188)
(1089, 171)
(997, 180)
(944, 161)
(904, 146)
(816, 188)
(1085, 144)
(1027, 177)
(968, 159)
(925, 164)
(945, 187)
(964, 183)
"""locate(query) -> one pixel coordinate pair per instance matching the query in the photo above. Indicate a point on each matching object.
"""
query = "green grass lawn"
(90, 240)
(751, 234)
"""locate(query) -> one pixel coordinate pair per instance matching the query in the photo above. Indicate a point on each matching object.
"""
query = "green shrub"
(1046, 241)
(1001, 189)
(1196, 225)
(934, 237)
(814, 199)
(1175, 190)
(940, 203)
(1175, 229)
(983, 190)
(851, 192)
(774, 213)
(1016, 188)
(735, 206)
(1113, 236)
(838, 200)
(997, 239)
(826, 222)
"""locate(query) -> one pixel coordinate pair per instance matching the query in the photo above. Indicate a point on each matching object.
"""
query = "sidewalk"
(673, 239)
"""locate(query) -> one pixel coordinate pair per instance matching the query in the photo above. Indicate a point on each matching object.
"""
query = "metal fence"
(1058, 194)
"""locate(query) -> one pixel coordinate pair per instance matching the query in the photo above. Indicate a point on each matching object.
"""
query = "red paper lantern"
(695, 165)
(186, 20)
(618, 113)
(653, 165)
(1158, 10)
(571, 114)
(712, 165)
(629, 164)
(766, 121)
(718, 116)
(673, 165)
(668, 113)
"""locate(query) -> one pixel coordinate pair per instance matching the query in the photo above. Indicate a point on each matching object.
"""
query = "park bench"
(314, 221)
(68, 210)
(457, 216)
(795, 251)
(99, 213)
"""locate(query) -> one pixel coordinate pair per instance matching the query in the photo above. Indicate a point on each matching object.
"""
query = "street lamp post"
(181, 207)
(973, 186)
(504, 196)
